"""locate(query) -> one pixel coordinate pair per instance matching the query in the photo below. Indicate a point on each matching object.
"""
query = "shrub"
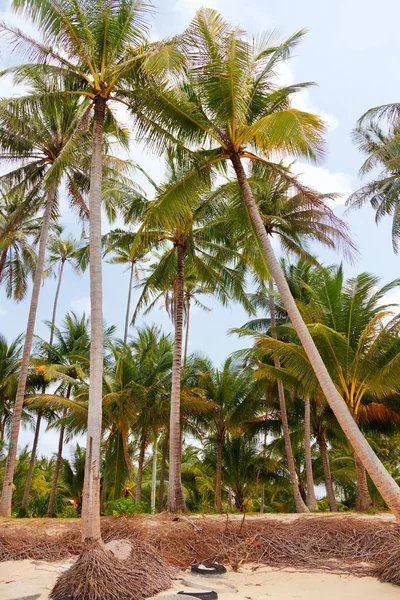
(123, 507)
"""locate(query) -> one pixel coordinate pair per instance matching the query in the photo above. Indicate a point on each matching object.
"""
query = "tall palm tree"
(61, 252)
(19, 227)
(197, 248)
(236, 398)
(229, 105)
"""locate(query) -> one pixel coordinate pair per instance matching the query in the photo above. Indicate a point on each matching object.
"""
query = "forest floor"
(268, 556)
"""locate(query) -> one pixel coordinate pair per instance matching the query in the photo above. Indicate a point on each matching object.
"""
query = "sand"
(27, 578)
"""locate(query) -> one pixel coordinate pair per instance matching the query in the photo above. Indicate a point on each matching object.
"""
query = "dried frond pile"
(343, 544)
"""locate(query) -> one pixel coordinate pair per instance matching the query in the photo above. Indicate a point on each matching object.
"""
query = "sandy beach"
(20, 579)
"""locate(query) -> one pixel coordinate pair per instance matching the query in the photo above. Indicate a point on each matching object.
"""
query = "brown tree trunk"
(300, 505)
(330, 492)
(128, 303)
(6, 498)
(138, 494)
(176, 500)
(28, 483)
(311, 499)
(162, 473)
(186, 332)
(364, 500)
(91, 534)
(3, 258)
(386, 485)
(56, 474)
(218, 479)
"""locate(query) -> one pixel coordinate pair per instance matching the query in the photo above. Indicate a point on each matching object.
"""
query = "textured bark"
(364, 500)
(6, 497)
(91, 533)
(186, 332)
(311, 499)
(162, 473)
(176, 500)
(56, 474)
(300, 505)
(28, 483)
(128, 303)
(387, 487)
(218, 478)
(3, 258)
(138, 493)
(330, 492)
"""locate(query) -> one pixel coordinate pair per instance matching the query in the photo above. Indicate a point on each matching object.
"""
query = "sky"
(351, 51)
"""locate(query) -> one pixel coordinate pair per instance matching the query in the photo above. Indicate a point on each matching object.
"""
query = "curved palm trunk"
(128, 303)
(330, 492)
(388, 488)
(56, 474)
(364, 500)
(162, 473)
(6, 497)
(91, 533)
(138, 494)
(176, 500)
(28, 484)
(186, 332)
(218, 478)
(3, 258)
(311, 499)
(300, 505)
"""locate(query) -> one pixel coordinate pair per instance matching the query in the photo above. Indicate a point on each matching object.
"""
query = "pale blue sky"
(352, 52)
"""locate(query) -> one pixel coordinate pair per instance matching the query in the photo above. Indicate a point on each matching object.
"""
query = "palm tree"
(349, 326)
(229, 105)
(10, 361)
(19, 227)
(41, 141)
(197, 249)
(382, 149)
(61, 252)
(235, 396)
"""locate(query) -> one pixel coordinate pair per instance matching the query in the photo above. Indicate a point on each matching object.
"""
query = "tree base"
(99, 575)
(389, 570)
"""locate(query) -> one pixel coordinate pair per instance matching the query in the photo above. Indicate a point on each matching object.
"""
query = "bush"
(123, 507)
(69, 512)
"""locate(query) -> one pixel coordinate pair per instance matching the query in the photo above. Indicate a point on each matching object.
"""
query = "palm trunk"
(364, 500)
(162, 473)
(176, 500)
(387, 487)
(3, 258)
(56, 474)
(6, 498)
(330, 492)
(103, 494)
(218, 479)
(128, 303)
(300, 505)
(91, 533)
(262, 504)
(28, 484)
(138, 494)
(311, 499)
(24, 504)
(154, 477)
(186, 332)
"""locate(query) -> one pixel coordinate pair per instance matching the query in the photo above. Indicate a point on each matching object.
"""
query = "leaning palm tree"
(229, 105)
(61, 252)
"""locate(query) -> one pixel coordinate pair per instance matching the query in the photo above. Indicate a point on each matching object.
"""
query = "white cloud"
(3, 311)
(302, 101)
(325, 181)
(190, 6)
(81, 305)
